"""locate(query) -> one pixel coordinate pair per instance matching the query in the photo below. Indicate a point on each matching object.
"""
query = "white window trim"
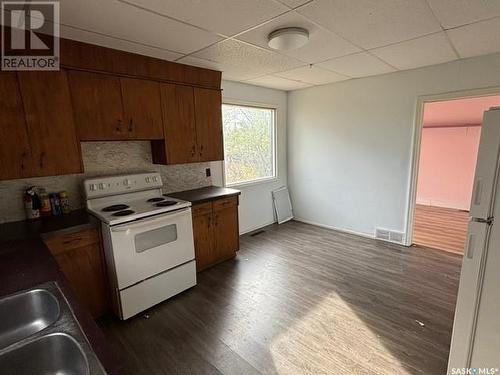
(264, 180)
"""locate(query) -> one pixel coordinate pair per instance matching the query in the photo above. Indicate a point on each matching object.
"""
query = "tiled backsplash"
(102, 158)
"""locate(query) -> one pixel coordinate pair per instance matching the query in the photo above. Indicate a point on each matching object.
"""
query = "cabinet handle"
(130, 126)
(42, 159)
(209, 221)
(193, 150)
(201, 150)
(119, 125)
(216, 220)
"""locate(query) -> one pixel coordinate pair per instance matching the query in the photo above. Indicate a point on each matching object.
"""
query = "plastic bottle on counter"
(55, 204)
(64, 201)
(31, 204)
(45, 208)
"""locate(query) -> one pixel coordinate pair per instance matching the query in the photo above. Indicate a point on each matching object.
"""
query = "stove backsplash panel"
(102, 158)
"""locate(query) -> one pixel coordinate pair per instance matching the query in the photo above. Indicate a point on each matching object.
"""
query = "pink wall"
(447, 163)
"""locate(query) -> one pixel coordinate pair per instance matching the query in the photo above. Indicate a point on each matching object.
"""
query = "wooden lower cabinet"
(203, 240)
(226, 233)
(80, 257)
(215, 231)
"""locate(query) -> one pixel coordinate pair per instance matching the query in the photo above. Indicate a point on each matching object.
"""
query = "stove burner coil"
(166, 203)
(115, 207)
(123, 213)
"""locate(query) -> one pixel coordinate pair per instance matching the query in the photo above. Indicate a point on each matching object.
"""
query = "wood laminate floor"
(300, 299)
(440, 228)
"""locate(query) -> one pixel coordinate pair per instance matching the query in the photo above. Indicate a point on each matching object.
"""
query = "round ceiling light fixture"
(288, 38)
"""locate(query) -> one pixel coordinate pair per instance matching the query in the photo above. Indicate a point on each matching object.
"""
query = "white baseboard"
(260, 226)
(360, 234)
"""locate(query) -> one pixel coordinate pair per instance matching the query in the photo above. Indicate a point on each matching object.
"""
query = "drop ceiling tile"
(123, 21)
(294, 3)
(453, 13)
(312, 75)
(369, 23)
(357, 65)
(120, 44)
(226, 17)
(278, 83)
(247, 57)
(229, 72)
(427, 50)
(322, 44)
(479, 38)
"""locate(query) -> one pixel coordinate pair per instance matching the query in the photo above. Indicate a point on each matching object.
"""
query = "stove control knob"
(155, 179)
(93, 187)
(127, 182)
(148, 180)
(102, 186)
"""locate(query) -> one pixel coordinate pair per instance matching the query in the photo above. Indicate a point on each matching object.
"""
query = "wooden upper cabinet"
(49, 117)
(179, 123)
(97, 104)
(15, 153)
(142, 108)
(208, 109)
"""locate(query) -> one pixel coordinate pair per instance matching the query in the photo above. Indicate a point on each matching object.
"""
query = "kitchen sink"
(39, 334)
(24, 314)
(57, 353)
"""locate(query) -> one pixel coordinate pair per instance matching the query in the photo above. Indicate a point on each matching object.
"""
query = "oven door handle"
(148, 223)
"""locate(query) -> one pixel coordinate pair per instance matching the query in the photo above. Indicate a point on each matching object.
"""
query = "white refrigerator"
(476, 331)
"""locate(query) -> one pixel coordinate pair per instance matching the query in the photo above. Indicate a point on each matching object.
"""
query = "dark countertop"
(75, 221)
(205, 194)
(25, 262)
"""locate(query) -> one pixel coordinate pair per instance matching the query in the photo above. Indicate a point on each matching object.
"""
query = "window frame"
(274, 143)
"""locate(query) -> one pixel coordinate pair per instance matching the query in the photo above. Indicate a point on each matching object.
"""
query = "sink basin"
(24, 314)
(57, 353)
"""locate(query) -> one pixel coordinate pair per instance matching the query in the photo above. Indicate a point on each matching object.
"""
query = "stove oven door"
(142, 249)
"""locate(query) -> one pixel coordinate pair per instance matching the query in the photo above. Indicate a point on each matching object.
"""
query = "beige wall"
(350, 143)
(256, 205)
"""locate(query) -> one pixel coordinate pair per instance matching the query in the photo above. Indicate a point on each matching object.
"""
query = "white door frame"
(417, 138)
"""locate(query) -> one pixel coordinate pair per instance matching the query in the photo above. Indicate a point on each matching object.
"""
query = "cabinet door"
(226, 232)
(97, 103)
(203, 236)
(83, 267)
(142, 108)
(208, 110)
(51, 128)
(80, 258)
(15, 153)
(179, 123)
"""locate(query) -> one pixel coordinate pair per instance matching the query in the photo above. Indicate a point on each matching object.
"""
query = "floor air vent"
(389, 235)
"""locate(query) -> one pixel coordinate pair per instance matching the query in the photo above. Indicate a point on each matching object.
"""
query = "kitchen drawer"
(65, 242)
(156, 289)
(221, 204)
(201, 208)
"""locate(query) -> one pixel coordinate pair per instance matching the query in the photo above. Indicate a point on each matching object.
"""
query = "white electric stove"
(147, 239)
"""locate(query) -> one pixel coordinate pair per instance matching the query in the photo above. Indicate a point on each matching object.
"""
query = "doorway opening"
(444, 170)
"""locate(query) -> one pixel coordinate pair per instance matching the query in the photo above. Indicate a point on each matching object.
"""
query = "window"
(249, 143)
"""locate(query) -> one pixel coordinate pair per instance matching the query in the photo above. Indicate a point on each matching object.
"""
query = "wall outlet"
(207, 172)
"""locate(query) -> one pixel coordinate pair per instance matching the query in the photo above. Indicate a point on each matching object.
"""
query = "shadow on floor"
(300, 299)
